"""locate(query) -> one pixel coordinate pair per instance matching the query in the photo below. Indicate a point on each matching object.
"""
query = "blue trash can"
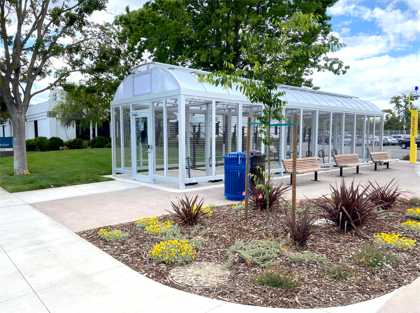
(235, 165)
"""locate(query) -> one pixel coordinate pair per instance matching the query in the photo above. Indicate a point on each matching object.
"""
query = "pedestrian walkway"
(127, 200)
(46, 267)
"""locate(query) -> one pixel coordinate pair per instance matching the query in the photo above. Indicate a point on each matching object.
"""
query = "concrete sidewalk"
(46, 267)
(125, 201)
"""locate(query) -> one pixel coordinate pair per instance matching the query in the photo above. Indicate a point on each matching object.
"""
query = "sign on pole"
(414, 128)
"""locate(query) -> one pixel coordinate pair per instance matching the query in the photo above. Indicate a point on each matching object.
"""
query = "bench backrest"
(346, 159)
(379, 156)
(301, 164)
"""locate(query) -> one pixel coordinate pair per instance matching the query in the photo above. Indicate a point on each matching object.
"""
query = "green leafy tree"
(206, 34)
(34, 35)
(82, 104)
(260, 83)
(400, 107)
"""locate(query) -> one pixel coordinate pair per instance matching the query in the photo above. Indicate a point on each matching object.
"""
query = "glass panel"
(126, 139)
(323, 150)
(117, 137)
(301, 98)
(142, 155)
(188, 81)
(141, 84)
(359, 132)
(336, 134)
(162, 81)
(158, 145)
(308, 135)
(173, 142)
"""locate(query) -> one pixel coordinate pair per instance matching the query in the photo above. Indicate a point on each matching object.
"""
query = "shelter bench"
(381, 157)
(348, 160)
(303, 165)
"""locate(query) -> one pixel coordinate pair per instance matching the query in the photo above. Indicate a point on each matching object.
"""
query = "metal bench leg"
(357, 170)
(341, 172)
(291, 180)
(387, 165)
(316, 177)
(376, 166)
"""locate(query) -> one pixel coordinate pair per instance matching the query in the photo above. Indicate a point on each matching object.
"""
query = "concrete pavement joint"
(25, 281)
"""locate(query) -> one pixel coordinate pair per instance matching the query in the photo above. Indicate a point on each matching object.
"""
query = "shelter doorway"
(142, 155)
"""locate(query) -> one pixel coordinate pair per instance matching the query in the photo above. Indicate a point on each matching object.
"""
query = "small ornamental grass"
(415, 201)
(173, 252)
(277, 279)
(413, 213)
(394, 241)
(411, 225)
(373, 256)
(339, 272)
(306, 257)
(110, 234)
(258, 196)
(302, 229)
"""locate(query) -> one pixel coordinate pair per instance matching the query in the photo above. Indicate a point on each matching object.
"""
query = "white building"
(39, 121)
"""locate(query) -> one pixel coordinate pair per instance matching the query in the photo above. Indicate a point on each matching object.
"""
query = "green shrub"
(41, 143)
(54, 143)
(415, 201)
(30, 145)
(372, 256)
(277, 279)
(76, 143)
(108, 145)
(259, 252)
(99, 142)
(306, 257)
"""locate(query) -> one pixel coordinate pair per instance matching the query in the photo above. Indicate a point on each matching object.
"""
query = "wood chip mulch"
(317, 290)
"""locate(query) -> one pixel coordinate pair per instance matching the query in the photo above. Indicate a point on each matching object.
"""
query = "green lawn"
(57, 168)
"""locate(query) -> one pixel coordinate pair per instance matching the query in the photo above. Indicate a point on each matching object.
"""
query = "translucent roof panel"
(166, 77)
(163, 80)
(188, 81)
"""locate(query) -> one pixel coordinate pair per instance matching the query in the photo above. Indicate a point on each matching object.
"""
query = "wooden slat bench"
(381, 157)
(348, 160)
(303, 165)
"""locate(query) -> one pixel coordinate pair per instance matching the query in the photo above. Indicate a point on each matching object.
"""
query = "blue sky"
(383, 47)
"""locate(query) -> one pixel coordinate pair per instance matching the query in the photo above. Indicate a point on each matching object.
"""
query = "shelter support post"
(364, 138)
(213, 138)
(239, 128)
(181, 135)
(300, 133)
(330, 137)
(209, 126)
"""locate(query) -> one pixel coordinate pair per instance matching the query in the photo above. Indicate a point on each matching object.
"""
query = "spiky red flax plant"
(349, 208)
(188, 211)
(384, 196)
(258, 199)
(302, 229)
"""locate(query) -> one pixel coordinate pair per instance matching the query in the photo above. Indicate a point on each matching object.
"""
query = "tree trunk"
(19, 143)
(269, 170)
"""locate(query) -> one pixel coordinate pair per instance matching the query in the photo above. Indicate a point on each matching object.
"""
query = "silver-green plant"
(111, 235)
(259, 252)
(306, 257)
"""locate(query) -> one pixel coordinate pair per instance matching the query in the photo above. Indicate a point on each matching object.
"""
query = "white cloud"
(374, 79)
(345, 31)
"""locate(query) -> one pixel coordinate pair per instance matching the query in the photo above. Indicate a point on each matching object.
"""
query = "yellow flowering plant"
(413, 213)
(110, 234)
(143, 222)
(411, 225)
(394, 241)
(238, 207)
(157, 228)
(173, 252)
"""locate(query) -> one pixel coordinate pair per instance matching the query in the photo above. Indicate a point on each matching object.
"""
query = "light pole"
(414, 126)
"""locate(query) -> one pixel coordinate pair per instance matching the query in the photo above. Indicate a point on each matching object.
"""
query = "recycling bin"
(235, 166)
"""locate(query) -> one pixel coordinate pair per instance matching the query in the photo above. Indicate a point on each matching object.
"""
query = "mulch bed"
(317, 290)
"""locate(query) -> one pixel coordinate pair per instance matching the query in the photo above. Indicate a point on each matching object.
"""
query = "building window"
(36, 128)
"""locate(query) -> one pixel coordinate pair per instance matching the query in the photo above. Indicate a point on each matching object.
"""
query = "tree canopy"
(399, 115)
(206, 34)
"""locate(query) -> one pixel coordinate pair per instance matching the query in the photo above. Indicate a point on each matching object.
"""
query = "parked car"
(347, 140)
(399, 137)
(405, 143)
(359, 141)
(385, 141)
(392, 140)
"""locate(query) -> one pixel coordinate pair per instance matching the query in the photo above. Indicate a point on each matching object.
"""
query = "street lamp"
(414, 126)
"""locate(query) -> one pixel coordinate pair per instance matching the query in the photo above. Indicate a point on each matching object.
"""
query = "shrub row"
(54, 143)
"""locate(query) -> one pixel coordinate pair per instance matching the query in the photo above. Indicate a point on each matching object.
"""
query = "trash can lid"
(237, 153)
(255, 152)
